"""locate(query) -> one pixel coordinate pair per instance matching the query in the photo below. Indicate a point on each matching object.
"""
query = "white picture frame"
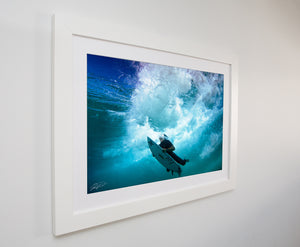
(73, 209)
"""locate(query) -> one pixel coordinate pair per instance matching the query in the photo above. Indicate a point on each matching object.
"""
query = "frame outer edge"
(61, 127)
(234, 122)
(63, 27)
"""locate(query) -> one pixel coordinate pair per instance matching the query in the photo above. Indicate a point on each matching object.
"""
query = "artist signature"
(97, 186)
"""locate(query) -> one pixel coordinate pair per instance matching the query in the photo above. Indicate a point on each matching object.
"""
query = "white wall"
(262, 211)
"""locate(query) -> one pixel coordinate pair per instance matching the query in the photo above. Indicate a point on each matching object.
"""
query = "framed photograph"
(138, 125)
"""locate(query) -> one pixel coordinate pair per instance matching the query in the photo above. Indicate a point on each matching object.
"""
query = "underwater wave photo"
(149, 122)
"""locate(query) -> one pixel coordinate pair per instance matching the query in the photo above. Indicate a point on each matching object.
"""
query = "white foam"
(164, 102)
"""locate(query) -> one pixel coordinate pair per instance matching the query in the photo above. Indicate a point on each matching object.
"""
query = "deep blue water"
(130, 100)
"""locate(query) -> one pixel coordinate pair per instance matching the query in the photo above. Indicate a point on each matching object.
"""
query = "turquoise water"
(130, 100)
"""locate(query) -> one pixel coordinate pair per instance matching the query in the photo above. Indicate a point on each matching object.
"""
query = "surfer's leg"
(177, 158)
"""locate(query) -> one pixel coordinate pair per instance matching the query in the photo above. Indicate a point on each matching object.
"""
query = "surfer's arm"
(172, 148)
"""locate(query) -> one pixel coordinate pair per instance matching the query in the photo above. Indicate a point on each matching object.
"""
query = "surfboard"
(163, 158)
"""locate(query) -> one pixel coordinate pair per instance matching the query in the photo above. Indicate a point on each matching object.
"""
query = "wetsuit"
(168, 144)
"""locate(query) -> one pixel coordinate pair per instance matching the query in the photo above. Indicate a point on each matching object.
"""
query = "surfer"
(168, 147)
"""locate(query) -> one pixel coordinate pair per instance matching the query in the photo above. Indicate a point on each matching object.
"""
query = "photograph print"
(148, 122)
